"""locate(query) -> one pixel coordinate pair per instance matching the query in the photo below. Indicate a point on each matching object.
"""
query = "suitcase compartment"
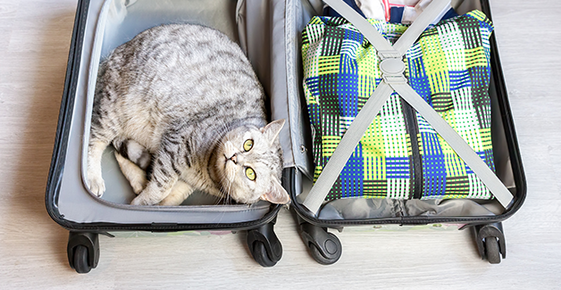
(360, 211)
(102, 25)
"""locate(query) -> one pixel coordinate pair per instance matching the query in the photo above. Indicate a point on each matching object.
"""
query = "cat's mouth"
(232, 159)
(230, 168)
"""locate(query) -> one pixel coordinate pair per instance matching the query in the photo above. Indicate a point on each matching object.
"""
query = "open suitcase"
(260, 27)
(483, 217)
(270, 33)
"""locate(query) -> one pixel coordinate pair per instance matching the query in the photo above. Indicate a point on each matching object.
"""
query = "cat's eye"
(250, 173)
(247, 145)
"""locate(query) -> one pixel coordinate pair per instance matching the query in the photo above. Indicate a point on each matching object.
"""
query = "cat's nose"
(237, 158)
(234, 158)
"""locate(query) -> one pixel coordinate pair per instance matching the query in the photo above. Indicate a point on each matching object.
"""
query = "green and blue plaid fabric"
(400, 155)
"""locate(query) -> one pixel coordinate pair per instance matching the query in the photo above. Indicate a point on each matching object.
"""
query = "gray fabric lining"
(389, 208)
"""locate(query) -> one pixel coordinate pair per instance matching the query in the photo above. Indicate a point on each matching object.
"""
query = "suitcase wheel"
(332, 247)
(259, 253)
(490, 242)
(264, 245)
(80, 260)
(492, 251)
(323, 246)
(83, 251)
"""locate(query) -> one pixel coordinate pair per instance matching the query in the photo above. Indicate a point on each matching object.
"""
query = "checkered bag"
(400, 155)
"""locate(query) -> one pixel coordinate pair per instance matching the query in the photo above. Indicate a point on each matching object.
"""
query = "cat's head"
(248, 164)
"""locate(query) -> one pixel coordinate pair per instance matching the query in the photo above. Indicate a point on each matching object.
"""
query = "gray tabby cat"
(185, 99)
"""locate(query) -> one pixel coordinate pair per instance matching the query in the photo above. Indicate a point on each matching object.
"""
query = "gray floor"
(34, 41)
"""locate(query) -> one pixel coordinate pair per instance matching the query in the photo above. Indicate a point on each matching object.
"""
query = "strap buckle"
(392, 70)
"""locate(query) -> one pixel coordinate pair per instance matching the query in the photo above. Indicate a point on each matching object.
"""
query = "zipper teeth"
(404, 221)
(173, 227)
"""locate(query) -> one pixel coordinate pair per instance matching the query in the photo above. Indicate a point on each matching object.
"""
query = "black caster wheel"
(81, 258)
(492, 251)
(329, 253)
(264, 245)
(83, 251)
(259, 253)
(323, 246)
(490, 242)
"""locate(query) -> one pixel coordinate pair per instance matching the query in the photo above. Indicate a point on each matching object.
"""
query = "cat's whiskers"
(225, 191)
(224, 197)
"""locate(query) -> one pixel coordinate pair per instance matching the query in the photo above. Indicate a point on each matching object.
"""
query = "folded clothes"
(400, 156)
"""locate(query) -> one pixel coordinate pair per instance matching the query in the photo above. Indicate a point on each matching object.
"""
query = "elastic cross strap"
(348, 143)
(394, 80)
(457, 143)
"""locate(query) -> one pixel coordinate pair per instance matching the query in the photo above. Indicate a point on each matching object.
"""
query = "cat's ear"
(276, 193)
(272, 130)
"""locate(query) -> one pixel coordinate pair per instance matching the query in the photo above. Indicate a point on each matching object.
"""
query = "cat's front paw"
(96, 185)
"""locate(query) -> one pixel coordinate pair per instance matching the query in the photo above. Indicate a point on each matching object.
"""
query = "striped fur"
(181, 100)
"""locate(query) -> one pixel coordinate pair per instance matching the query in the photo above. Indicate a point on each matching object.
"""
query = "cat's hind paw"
(138, 187)
(96, 185)
(140, 200)
(134, 174)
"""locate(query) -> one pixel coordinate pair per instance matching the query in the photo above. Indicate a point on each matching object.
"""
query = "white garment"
(372, 8)
(380, 9)
(410, 3)
(410, 13)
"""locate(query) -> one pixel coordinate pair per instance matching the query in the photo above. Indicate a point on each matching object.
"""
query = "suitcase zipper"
(411, 127)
